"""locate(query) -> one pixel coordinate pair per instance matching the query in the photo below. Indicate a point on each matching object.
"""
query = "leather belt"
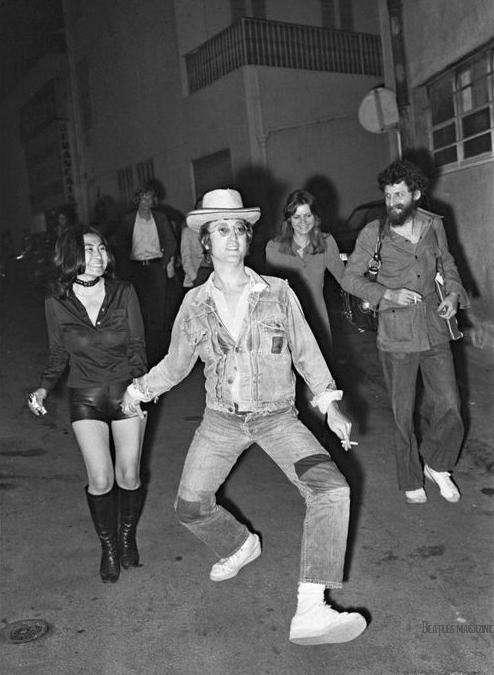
(149, 261)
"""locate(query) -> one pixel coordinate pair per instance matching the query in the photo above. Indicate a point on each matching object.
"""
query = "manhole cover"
(26, 630)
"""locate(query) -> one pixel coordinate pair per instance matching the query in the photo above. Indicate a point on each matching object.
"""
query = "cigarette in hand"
(344, 442)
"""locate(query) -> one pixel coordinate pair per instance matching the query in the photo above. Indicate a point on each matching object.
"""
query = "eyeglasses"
(224, 230)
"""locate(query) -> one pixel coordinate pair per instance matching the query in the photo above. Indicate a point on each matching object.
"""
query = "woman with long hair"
(302, 253)
(95, 329)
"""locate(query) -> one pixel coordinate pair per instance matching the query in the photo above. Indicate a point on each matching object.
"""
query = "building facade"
(260, 95)
(449, 54)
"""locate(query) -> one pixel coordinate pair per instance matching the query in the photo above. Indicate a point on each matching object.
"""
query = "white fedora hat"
(220, 205)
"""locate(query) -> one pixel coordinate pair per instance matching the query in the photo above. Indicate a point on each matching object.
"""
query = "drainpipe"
(395, 12)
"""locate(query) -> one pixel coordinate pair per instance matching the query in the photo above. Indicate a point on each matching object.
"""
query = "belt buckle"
(241, 413)
(145, 262)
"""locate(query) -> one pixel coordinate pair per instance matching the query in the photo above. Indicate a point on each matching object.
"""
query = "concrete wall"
(282, 126)
(287, 129)
(199, 21)
(141, 108)
(297, 124)
(135, 89)
(311, 130)
(437, 35)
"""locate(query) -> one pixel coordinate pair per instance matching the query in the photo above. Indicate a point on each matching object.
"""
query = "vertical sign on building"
(66, 159)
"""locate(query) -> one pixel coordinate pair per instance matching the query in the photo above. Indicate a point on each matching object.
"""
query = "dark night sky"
(28, 30)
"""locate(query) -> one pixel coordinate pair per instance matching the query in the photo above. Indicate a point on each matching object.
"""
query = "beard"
(398, 216)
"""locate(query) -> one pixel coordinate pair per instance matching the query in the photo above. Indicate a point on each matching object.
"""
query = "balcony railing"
(283, 45)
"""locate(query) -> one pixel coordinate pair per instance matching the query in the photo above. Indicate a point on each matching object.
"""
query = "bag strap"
(439, 257)
(379, 242)
(439, 280)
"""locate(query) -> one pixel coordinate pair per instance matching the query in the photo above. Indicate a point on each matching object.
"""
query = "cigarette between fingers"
(349, 442)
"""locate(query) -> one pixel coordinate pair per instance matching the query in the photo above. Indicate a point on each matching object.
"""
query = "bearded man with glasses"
(417, 289)
(250, 332)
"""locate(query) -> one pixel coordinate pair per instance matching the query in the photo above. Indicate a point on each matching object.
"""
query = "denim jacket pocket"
(199, 340)
(273, 337)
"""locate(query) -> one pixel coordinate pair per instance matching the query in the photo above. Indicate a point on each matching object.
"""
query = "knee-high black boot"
(103, 510)
(130, 510)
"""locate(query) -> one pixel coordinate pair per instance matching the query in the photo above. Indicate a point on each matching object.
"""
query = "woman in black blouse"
(95, 328)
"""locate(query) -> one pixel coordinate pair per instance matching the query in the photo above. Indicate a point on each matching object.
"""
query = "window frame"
(144, 171)
(459, 91)
(125, 181)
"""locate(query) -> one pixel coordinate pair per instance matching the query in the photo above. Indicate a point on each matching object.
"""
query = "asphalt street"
(422, 575)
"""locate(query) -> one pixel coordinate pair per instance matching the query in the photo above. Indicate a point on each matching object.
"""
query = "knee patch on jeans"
(318, 474)
(188, 512)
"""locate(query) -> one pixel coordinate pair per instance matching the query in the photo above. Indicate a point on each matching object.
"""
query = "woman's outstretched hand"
(35, 401)
(131, 406)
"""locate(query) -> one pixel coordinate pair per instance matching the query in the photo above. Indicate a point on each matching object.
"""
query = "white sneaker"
(415, 496)
(321, 624)
(447, 488)
(226, 568)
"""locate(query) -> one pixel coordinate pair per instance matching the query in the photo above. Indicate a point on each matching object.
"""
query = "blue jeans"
(443, 434)
(220, 440)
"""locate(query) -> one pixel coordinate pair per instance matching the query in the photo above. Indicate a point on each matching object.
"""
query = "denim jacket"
(274, 335)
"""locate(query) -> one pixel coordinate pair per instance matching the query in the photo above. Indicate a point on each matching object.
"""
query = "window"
(337, 14)
(346, 15)
(328, 14)
(145, 171)
(253, 8)
(212, 171)
(125, 178)
(462, 111)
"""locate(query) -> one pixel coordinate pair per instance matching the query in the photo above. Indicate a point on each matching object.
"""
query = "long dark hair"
(285, 238)
(70, 258)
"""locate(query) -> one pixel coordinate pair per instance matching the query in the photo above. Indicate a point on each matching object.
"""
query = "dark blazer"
(168, 241)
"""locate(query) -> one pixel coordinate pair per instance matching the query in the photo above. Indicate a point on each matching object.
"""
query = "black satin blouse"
(113, 350)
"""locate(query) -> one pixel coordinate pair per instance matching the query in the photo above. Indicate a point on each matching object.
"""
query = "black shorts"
(97, 403)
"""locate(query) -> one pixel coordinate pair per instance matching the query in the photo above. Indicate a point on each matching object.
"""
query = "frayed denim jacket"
(274, 335)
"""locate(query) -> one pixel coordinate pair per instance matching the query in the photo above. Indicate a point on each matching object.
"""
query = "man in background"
(146, 251)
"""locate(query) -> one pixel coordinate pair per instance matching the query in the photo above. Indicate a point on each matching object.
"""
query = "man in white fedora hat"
(250, 332)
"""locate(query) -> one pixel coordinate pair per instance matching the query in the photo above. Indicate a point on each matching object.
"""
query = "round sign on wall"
(378, 111)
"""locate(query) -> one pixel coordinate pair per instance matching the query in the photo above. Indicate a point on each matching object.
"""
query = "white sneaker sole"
(343, 629)
(253, 556)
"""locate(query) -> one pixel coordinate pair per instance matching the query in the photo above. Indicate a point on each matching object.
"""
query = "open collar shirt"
(410, 328)
(250, 369)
